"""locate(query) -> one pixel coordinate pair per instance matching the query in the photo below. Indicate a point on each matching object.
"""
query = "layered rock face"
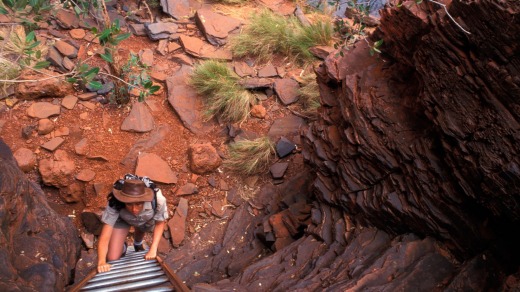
(417, 168)
(424, 138)
(38, 248)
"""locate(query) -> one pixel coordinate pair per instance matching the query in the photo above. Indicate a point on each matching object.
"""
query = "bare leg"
(115, 246)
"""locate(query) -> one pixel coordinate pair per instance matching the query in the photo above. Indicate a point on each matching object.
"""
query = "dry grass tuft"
(249, 156)
(224, 97)
(269, 33)
(310, 95)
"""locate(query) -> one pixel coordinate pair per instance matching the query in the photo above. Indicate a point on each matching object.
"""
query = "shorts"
(146, 227)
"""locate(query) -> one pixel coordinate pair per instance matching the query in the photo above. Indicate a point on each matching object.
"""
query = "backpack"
(118, 185)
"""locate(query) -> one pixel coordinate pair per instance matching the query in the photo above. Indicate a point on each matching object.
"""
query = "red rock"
(139, 120)
(53, 144)
(258, 111)
(43, 110)
(81, 147)
(45, 126)
(287, 90)
(177, 224)
(66, 49)
(267, 71)
(216, 27)
(154, 167)
(57, 171)
(54, 87)
(25, 158)
(203, 158)
(187, 189)
(77, 33)
(86, 175)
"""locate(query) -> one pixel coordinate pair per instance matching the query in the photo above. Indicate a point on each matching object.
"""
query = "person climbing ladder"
(134, 201)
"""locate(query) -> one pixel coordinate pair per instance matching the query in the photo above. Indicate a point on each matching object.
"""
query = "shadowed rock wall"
(425, 138)
(38, 248)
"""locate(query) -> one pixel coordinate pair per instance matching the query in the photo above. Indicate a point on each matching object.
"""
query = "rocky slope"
(416, 167)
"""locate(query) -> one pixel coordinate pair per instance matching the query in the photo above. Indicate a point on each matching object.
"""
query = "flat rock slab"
(146, 57)
(200, 49)
(243, 69)
(160, 30)
(67, 19)
(43, 110)
(177, 224)
(267, 71)
(216, 27)
(154, 167)
(66, 49)
(256, 83)
(180, 9)
(284, 147)
(187, 189)
(53, 144)
(86, 175)
(278, 169)
(155, 137)
(287, 90)
(286, 126)
(139, 120)
(69, 102)
(186, 102)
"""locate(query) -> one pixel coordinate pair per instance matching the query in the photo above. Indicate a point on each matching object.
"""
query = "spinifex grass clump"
(270, 33)
(309, 94)
(223, 96)
(249, 156)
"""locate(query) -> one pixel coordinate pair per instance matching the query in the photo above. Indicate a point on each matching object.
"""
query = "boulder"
(203, 158)
(57, 171)
(25, 158)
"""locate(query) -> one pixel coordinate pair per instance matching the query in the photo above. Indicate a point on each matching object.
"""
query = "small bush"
(223, 96)
(269, 33)
(249, 156)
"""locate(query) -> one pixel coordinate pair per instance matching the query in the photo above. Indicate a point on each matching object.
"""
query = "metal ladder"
(132, 273)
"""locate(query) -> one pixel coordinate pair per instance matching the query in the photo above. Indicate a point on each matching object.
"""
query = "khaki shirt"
(144, 220)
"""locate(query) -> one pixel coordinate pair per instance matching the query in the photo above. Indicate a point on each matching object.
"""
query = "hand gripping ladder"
(132, 273)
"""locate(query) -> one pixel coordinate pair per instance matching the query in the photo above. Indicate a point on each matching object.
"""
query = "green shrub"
(223, 96)
(269, 33)
(249, 156)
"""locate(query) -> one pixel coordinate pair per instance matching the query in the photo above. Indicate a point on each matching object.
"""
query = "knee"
(113, 256)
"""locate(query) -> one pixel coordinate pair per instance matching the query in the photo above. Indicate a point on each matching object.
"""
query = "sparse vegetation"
(309, 95)
(224, 97)
(269, 33)
(249, 156)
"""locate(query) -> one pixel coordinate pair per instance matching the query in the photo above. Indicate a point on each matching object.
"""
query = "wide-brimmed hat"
(133, 191)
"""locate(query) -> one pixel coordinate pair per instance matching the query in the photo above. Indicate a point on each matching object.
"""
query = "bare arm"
(104, 239)
(157, 234)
